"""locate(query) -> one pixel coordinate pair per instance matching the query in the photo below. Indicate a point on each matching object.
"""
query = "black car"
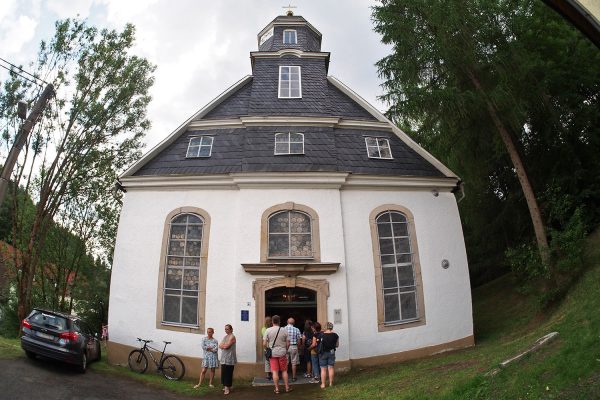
(59, 336)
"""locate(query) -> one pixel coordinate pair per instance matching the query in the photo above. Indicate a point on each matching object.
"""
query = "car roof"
(59, 313)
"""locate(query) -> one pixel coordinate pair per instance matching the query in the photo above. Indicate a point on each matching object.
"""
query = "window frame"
(289, 143)
(379, 146)
(315, 235)
(199, 327)
(200, 146)
(295, 41)
(420, 319)
(289, 82)
(289, 234)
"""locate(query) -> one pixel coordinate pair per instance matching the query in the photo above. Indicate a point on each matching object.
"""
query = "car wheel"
(83, 366)
(30, 355)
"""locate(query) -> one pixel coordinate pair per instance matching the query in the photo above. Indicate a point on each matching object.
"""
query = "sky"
(200, 48)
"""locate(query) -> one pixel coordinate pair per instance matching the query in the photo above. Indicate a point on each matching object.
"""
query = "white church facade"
(290, 195)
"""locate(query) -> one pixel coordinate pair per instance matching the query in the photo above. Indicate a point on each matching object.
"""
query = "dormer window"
(289, 36)
(289, 143)
(200, 146)
(289, 83)
(378, 148)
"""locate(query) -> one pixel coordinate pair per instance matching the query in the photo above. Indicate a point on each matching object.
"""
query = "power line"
(22, 70)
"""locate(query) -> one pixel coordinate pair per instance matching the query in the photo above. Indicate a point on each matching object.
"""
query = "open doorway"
(296, 302)
(299, 303)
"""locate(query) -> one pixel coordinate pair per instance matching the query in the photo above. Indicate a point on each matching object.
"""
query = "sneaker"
(307, 376)
(313, 380)
(294, 379)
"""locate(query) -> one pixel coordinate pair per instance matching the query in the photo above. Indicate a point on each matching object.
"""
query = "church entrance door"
(297, 302)
(289, 296)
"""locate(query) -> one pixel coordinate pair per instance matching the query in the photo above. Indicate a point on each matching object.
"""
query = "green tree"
(92, 130)
(477, 83)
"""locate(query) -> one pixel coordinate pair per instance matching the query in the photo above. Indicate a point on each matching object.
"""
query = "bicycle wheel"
(138, 362)
(172, 368)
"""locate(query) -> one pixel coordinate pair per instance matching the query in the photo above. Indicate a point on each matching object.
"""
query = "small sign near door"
(245, 315)
(337, 316)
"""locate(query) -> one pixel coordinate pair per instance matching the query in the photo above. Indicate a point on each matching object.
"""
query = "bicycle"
(170, 365)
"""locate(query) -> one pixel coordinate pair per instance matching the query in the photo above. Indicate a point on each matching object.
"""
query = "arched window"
(183, 271)
(398, 277)
(290, 235)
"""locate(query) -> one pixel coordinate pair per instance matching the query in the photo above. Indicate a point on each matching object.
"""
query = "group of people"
(284, 343)
(211, 347)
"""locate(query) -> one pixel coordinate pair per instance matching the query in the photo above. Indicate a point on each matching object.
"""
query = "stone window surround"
(264, 231)
(203, 269)
(295, 36)
(381, 325)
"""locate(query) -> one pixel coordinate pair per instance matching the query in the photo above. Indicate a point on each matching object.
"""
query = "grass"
(10, 347)
(506, 323)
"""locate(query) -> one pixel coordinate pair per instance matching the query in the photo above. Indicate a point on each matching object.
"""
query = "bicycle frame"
(148, 350)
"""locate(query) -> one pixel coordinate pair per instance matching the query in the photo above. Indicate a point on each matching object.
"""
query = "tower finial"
(289, 12)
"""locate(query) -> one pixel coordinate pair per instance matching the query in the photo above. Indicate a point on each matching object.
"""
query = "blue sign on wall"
(245, 315)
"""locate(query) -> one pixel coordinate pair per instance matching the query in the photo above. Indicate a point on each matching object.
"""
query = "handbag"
(269, 350)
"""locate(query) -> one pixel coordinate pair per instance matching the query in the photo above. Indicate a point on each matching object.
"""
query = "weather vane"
(289, 12)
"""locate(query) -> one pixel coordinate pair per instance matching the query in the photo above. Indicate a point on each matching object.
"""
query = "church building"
(289, 194)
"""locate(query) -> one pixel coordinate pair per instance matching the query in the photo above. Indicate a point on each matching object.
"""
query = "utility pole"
(21, 138)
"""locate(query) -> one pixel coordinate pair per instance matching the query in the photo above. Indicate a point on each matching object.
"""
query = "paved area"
(45, 379)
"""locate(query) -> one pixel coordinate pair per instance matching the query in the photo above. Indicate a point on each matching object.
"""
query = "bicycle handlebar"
(150, 341)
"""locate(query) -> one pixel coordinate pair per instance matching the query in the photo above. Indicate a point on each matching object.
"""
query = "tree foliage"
(541, 78)
(92, 130)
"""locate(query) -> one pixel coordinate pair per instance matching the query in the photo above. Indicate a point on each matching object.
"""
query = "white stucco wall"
(447, 292)
(235, 239)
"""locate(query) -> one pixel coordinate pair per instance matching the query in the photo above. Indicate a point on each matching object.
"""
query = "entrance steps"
(262, 381)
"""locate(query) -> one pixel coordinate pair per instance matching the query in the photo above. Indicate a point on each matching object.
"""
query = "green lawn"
(506, 323)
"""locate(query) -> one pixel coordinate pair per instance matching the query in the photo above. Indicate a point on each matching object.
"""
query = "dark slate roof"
(256, 99)
(252, 150)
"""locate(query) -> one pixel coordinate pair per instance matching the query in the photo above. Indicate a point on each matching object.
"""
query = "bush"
(567, 240)
(9, 320)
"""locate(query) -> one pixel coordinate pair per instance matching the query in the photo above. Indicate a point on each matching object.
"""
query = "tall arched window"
(290, 235)
(182, 272)
(397, 270)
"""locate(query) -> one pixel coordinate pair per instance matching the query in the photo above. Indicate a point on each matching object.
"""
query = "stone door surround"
(260, 286)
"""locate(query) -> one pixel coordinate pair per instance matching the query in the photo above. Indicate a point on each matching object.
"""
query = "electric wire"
(22, 70)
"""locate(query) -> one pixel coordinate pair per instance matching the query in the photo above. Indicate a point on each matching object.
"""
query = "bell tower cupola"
(289, 32)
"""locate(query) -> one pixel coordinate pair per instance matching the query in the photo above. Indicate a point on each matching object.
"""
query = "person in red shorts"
(277, 339)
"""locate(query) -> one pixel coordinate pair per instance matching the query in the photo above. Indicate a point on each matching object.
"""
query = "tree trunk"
(534, 210)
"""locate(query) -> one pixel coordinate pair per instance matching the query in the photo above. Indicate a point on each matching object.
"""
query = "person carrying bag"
(269, 350)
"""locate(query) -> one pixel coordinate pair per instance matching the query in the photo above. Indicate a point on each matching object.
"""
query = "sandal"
(288, 390)
(276, 391)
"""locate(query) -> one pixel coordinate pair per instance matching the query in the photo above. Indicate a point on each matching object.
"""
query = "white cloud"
(7, 7)
(16, 33)
(69, 8)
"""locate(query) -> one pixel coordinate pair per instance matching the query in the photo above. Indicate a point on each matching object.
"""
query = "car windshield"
(48, 320)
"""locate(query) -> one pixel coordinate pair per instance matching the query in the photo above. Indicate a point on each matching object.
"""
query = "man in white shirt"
(295, 338)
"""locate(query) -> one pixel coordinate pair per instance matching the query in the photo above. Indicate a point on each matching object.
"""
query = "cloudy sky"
(201, 47)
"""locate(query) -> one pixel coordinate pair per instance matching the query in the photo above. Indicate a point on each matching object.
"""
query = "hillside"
(506, 323)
